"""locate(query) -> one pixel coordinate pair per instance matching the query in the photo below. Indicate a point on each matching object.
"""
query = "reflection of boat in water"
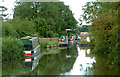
(70, 43)
(30, 65)
(30, 55)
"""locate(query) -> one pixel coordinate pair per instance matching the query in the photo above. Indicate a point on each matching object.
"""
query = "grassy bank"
(12, 49)
(44, 44)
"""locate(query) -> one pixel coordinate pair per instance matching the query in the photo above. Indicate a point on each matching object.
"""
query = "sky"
(75, 6)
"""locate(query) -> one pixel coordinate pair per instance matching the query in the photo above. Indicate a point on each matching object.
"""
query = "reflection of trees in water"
(12, 67)
(102, 68)
(72, 50)
(55, 64)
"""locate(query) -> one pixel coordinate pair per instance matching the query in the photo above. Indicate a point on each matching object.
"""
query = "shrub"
(43, 44)
(12, 49)
(8, 30)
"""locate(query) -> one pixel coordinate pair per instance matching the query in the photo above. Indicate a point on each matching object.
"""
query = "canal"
(71, 60)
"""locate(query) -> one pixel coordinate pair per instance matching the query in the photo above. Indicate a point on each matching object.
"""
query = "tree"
(104, 28)
(56, 15)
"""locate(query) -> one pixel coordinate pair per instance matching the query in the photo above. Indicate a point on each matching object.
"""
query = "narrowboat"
(31, 47)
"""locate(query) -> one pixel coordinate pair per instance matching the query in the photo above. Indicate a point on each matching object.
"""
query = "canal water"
(71, 60)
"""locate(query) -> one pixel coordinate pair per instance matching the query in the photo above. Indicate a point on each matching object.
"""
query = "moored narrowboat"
(31, 47)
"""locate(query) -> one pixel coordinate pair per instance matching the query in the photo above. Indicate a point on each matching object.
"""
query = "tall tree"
(56, 14)
(104, 28)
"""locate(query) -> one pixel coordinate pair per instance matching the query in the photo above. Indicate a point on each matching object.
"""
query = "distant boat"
(62, 39)
(71, 38)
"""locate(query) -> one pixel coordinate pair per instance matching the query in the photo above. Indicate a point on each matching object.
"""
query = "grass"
(53, 43)
(44, 44)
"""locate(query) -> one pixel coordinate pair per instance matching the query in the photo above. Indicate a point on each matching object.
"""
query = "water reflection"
(18, 67)
(82, 63)
(55, 64)
(72, 60)
(101, 68)
(13, 67)
(30, 65)
(31, 59)
(22, 67)
(70, 44)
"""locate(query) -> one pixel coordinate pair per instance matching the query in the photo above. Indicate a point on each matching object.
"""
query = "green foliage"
(8, 30)
(11, 30)
(23, 10)
(42, 28)
(23, 27)
(104, 28)
(18, 28)
(12, 49)
(43, 44)
(53, 21)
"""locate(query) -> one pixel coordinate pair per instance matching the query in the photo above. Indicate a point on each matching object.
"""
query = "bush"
(12, 49)
(43, 44)
(8, 30)
(24, 27)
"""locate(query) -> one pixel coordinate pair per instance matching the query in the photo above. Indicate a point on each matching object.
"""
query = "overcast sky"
(75, 6)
